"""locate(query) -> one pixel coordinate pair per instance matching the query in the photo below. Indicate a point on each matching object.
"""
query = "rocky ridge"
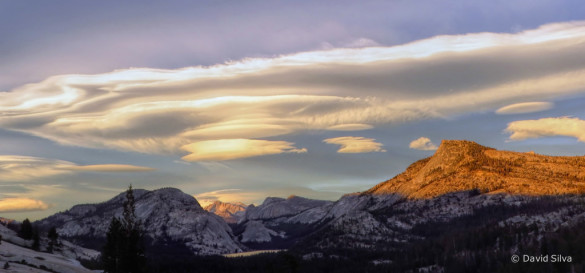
(167, 215)
(280, 219)
(460, 165)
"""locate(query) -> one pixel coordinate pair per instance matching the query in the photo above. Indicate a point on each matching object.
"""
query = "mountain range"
(464, 188)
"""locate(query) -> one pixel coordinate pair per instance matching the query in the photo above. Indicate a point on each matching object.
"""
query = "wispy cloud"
(350, 127)
(21, 204)
(547, 127)
(352, 145)
(525, 107)
(23, 168)
(228, 149)
(338, 89)
(256, 196)
(423, 143)
(109, 168)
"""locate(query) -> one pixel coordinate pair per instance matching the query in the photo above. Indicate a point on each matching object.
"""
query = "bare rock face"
(460, 165)
(166, 214)
(230, 212)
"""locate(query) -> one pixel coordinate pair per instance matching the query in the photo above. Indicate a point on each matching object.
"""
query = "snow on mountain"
(16, 251)
(281, 219)
(256, 232)
(20, 259)
(167, 214)
(274, 207)
(230, 212)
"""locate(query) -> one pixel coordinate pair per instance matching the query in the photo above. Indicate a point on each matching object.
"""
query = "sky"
(240, 100)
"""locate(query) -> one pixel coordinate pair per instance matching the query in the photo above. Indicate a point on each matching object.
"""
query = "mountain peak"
(230, 212)
(461, 165)
(460, 145)
(167, 214)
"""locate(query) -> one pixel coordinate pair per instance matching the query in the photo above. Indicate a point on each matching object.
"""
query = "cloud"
(226, 195)
(354, 145)
(21, 204)
(337, 89)
(350, 127)
(228, 149)
(109, 168)
(524, 107)
(24, 168)
(362, 42)
(547, 127)
(423, 143)
(257, 196)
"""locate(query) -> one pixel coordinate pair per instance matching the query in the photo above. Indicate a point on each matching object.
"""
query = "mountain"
(280, 222)
(230, 212)
(467, 208)
(447, 212)
(169, 218)
(460, 165)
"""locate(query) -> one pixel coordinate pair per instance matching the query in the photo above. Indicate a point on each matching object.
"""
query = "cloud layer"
(23, 168)
(21, 204)
(353, 145)
(423, 143)
(547, 127)
(524, 107)
(228, 149)
(170, 111)
(109, 168)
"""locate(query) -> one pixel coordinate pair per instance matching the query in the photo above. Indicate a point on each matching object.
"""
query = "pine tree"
(6, 265)
(112, 251)
(123, 251)
(26, 230)
(53, 236)
(36, 240)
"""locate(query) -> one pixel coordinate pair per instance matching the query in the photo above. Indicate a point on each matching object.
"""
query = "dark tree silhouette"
(53, 237)
(123, 251)
(26, 230)
(112, 252)
(36, 240)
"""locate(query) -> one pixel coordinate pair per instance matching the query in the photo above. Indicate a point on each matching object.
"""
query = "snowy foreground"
(22, 259)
